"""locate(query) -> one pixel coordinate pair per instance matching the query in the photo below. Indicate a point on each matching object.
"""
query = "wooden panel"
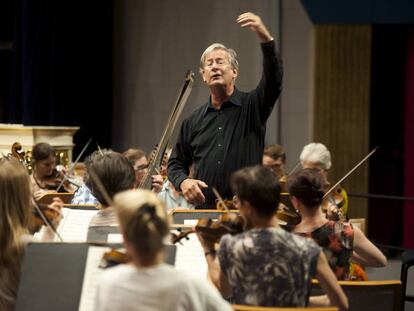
(341, 103)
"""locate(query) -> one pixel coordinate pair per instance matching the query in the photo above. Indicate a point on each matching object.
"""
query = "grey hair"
(317, 153)
(232, 55)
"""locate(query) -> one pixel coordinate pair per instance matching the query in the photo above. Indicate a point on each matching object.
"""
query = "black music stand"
(52, 275)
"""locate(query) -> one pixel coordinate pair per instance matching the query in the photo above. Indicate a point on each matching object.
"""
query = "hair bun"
(148, 209)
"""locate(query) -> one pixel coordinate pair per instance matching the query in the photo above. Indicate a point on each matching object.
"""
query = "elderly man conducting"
(228, 131)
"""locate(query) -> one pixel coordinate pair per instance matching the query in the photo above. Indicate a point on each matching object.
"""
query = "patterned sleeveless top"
(269, 267)
(337, 240)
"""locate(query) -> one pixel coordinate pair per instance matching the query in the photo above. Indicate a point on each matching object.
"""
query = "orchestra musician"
(116, 174)
(168, 194)
(147, 283)
(274, 158)
(316, 155)
(16, 220)
(140, 163)
(266, 265)
(45, 177)
(340, 241)
(228, 131)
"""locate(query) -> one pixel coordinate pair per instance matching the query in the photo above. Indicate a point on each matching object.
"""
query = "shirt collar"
(234, 99)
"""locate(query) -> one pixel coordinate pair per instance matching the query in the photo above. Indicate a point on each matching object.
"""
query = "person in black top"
(226, 133)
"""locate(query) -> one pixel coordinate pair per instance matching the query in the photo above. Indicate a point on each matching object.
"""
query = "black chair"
(407, 259)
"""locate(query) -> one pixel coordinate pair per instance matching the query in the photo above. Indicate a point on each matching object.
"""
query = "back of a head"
(275, 152)
(143, 220)
(308, 186)
(115, 173)
(258, 186)
(42, 151)
(15, 203)
(316, 153)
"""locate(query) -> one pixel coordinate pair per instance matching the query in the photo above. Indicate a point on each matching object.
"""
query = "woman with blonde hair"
(15, 220)
(147, 283)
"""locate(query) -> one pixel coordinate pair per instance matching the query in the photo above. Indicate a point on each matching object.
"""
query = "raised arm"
(270, 85)
(365, 252)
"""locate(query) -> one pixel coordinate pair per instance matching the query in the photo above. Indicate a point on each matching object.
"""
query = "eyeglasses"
(141, 167)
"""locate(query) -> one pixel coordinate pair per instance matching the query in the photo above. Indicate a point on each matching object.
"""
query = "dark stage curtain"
(62, 66)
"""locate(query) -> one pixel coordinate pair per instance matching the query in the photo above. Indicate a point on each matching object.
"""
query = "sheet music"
(90, 278)
(190, 257)
(115, 238)
(74, 225)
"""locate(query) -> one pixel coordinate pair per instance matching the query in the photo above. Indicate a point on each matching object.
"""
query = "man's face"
(276, 166)
(140, 167)
(217, 69)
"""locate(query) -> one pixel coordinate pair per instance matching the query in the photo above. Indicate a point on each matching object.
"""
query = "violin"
(50, 214)
(113, 258)
(213, 230)
(335, 203)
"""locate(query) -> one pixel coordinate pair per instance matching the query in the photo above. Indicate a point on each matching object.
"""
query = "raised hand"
(255, 24)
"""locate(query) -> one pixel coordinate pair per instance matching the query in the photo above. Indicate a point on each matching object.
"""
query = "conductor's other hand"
(191, 189)
(254, 22)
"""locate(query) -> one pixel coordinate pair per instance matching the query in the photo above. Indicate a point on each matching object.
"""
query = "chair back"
(253, 308)
(369, 295)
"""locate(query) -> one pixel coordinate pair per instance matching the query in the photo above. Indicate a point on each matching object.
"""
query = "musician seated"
(266, 265)
(116, 174)
(168, 194)
(316, 155)
(147, 283)
(84, 195)
(274, 158)
(341, 242)
(140, 163)
(45, 176)
(16, 218)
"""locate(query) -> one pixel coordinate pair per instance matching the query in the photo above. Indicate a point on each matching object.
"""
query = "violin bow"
(294, 169)
(46, 221)
(72, 167)
(350, 172)
(175, 113)
(220, 199)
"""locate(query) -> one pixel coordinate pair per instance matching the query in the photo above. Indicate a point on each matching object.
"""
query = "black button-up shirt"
(219, 142)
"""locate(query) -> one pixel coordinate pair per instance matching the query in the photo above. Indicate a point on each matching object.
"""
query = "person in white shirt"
(147, 283)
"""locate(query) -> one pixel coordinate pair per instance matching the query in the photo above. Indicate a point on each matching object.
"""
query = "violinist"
(266, 265)
(139, 161)
(168, 194)
(274, 158)
(316, 155)
(147, 283)
(45, 176)
(16, 220)
(227, 132)
(116, 174)
(341, 242)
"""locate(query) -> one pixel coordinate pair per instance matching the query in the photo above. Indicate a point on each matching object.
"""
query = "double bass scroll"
(155, 160)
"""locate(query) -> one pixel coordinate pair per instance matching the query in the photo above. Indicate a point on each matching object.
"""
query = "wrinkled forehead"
(217, 53)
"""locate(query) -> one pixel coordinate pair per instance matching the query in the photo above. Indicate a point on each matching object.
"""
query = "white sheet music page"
(90, 278)
(190, 257)
(74, 225)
